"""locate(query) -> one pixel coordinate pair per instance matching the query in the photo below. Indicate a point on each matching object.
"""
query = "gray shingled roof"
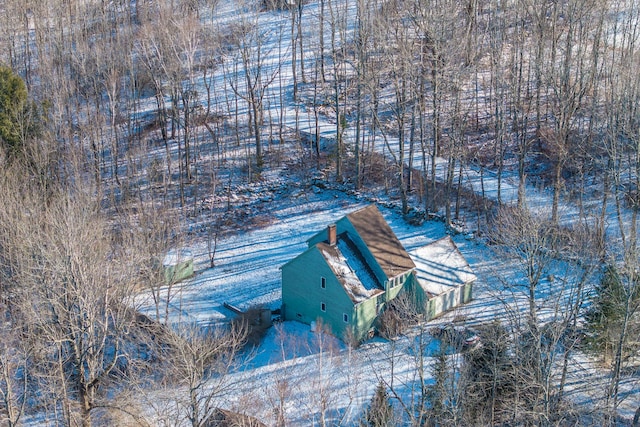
(381, 241)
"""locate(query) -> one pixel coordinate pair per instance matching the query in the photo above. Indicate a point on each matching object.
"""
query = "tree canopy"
(13, 104)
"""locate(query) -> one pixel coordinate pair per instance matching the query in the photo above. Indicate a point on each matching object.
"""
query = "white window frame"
(345, 317)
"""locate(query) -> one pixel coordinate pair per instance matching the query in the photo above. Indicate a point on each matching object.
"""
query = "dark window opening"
(323, 306)
(323, 282)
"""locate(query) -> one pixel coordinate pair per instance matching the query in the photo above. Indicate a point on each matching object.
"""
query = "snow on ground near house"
(247, 265)
(247, 273)
(282, 110)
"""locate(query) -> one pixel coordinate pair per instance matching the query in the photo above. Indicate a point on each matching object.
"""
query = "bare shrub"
(398, 315)
(266, 5)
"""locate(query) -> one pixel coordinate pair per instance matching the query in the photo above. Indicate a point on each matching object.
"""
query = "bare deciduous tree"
(15, 370)
(196, 365)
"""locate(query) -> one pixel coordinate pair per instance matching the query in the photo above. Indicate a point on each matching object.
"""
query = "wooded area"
(126, 125)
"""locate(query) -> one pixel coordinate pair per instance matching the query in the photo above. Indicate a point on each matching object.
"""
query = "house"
(177, 265)
(346, 275)
(352, 269)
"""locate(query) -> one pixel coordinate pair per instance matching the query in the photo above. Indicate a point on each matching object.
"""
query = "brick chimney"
(331, 235)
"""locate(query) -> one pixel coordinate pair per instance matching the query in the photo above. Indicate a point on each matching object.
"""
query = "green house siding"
(439, 304)
(393, 291)
(178, 272)
(365, 317)
(416, 292)
(303, 294)
(467, 293)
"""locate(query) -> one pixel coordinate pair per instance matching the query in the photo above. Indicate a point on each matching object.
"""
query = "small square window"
(323, 306)
(345, 317)
(323, 282)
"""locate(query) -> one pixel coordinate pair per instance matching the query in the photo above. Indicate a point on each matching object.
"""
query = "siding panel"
(302, 293)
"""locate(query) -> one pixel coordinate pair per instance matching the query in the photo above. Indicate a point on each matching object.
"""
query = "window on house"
(299, 315)
(345, 317)
(323, 306)
(323, 282)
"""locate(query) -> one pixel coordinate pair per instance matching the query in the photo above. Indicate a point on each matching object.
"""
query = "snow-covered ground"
(247, 273)
(322, 374)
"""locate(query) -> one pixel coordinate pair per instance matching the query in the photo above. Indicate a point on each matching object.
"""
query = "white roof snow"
(440, 267)
(177, 256)
(350, 269)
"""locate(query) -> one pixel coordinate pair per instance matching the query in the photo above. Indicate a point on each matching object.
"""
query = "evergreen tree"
(380, 412)
(606, 314)
(436, 392)
(19, 117)
(13, 99)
